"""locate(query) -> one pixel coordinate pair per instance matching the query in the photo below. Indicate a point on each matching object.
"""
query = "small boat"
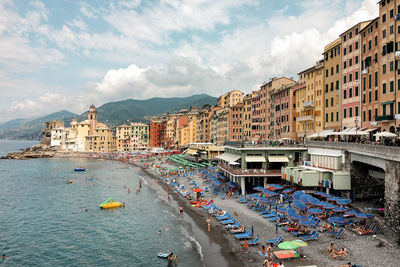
(109, 203)
(90, 178)
(79, 169)
(162, 255)
(69, 181)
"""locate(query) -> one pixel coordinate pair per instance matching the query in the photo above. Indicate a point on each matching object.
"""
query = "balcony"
(305, 118)
(249, 172)
(384, 118)
(308, 104)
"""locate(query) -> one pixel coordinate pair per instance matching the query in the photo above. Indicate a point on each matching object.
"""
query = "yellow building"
(230, 99)
(134, 136)
(102, 140)
(188, 133)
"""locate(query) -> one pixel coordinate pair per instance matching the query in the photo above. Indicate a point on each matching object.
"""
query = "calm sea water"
(43, 222)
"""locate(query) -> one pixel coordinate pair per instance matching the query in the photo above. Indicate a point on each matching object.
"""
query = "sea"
(46, 222)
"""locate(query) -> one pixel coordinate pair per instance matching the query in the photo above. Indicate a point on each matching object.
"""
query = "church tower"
(92, 118)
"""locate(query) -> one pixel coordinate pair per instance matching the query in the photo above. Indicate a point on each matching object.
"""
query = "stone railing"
(387, 152)
(258, 172)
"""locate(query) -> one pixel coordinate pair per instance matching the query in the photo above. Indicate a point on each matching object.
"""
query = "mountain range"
(112, 113)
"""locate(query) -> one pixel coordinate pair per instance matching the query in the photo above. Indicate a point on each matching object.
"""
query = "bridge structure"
(373, 167)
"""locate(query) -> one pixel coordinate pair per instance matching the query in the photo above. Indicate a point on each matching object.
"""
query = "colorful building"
(158, 132)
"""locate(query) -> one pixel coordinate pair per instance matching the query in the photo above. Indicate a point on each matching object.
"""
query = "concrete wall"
(392, 200)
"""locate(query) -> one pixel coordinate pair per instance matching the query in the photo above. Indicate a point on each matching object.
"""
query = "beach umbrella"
(307, 222)
(258, 188)
(283, 210)
(298, 194)
(322, 203)
(315, 211)
(299, 243)
(231, 184)
(294, 216)
(312, 200)
(216, 182)
(299, 205)
(318, 193)
(329, 207)
(197, 190)
(263, 199)
(304, 198)
(364, 215)
(351, 212)
(336, 220)
(340, 209)
(287, 191)
(254, 196)
(287, 245)
(334, 198)
(343, 201)
(326, 195)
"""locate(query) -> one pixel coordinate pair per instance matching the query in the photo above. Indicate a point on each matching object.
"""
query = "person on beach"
(181, 211)
(331, 248)
(267, 263)
(263, 250)
(280, 264)
(170, 257)
(269, 251)
(208, 224)
(210, 212)
(176, 259)
(129, 191)
(140, 185)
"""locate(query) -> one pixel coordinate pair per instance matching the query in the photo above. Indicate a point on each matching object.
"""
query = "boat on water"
(69, 181)
(162, 255)
(80, 169)
(109, 203)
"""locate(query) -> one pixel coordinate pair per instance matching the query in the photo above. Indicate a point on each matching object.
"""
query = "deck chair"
(275, 241)
(246, 235)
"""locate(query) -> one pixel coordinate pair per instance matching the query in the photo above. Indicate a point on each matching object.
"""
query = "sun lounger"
(284, 254)
(272, 214)
(229, 221)
(246, 235)
(232, 226)
(223, 217)
(275, 241)
(337, 234)
(273, 219)
(310, 238)
(242, 198)
(265, 212)
(254, 242)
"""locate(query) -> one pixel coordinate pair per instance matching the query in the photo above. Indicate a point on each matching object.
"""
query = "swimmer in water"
(123, 204)
(129, 191)
(159, 232)
(181, 211)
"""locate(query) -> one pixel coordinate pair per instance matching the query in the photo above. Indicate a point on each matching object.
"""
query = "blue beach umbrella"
(299, 205)
(343, 201)
(287, 191)
(258, 188)
(216, 182)
(329, 207)
(340, 209)
(304, 198)
(283, 210)
(326, 195)
(298, 194)
(336, 220)
(351, 212)
(307, 222)
(315, 211)
(312, 200)
(254, 196)
(364, 215)
(322, 203)
(318, 193)
(334, 198)
(263, 199)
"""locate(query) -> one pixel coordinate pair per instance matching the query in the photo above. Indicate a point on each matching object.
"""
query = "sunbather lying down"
(240, 229)
(340, 253)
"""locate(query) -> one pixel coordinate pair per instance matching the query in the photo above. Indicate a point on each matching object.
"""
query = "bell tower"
(92, 118)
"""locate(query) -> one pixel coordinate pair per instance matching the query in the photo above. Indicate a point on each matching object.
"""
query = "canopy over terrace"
(230, 158)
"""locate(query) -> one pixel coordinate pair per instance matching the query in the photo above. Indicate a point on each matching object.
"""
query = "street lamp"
(356, 123)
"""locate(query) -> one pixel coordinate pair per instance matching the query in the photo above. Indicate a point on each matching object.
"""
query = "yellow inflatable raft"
(109, 203)
(69, 181)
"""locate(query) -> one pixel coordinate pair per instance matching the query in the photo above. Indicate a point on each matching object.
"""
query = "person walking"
(181, 211)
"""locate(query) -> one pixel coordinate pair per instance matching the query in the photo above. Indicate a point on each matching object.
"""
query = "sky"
(64, 54)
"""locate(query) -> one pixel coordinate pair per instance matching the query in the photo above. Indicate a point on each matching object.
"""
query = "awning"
(370, 130)
(191, 151)
(278, 159)
(229, 157)
(255, 159)
(325, 133)
(387, 102)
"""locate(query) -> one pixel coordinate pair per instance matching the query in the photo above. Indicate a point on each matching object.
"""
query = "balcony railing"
(384, 118)
(308, 104)
(249, 172)
(305, 118)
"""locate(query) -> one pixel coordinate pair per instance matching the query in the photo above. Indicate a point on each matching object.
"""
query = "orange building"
(158, 133)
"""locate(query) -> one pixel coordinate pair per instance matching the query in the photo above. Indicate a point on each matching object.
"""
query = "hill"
(112, 113)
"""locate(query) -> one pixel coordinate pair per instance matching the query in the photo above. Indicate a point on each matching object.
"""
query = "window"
(376, 79)
(350, 48)
(344, 79)
(326, 88)
(376, 95)
(356, 111)
(398, 86)
(363, 48)
(356, 76)
(356, 46)
(326, 117)
(384, 69)
(391, 13)
(376, 40)
(331, 86)
(337, 116)
(391, 86)
(369, 45)
(344, 94)
(350, 92)
(369, 81)
(391, 29)
(350, 35)
(350, 112)
(350, 77)
(384, 34)
(331, 116)
(344, 64)
(356, 60)
(356, 91)
(344, 38)
(369, 115)
(337, 68)
(326, 103)
(344, 51)
(331, 101)
(364, 84)
(337, 85)
(364, 115)
(326, 73)
(350, 62)
(332, 71)
(383, 18)
(391, 66)
(384, 88)
(363, 98)
(345, 113)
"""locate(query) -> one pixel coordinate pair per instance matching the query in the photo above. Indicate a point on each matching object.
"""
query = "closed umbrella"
(315, 211)
(287, 245)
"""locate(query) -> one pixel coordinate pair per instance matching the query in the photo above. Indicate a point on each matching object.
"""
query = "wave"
(194, 242)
